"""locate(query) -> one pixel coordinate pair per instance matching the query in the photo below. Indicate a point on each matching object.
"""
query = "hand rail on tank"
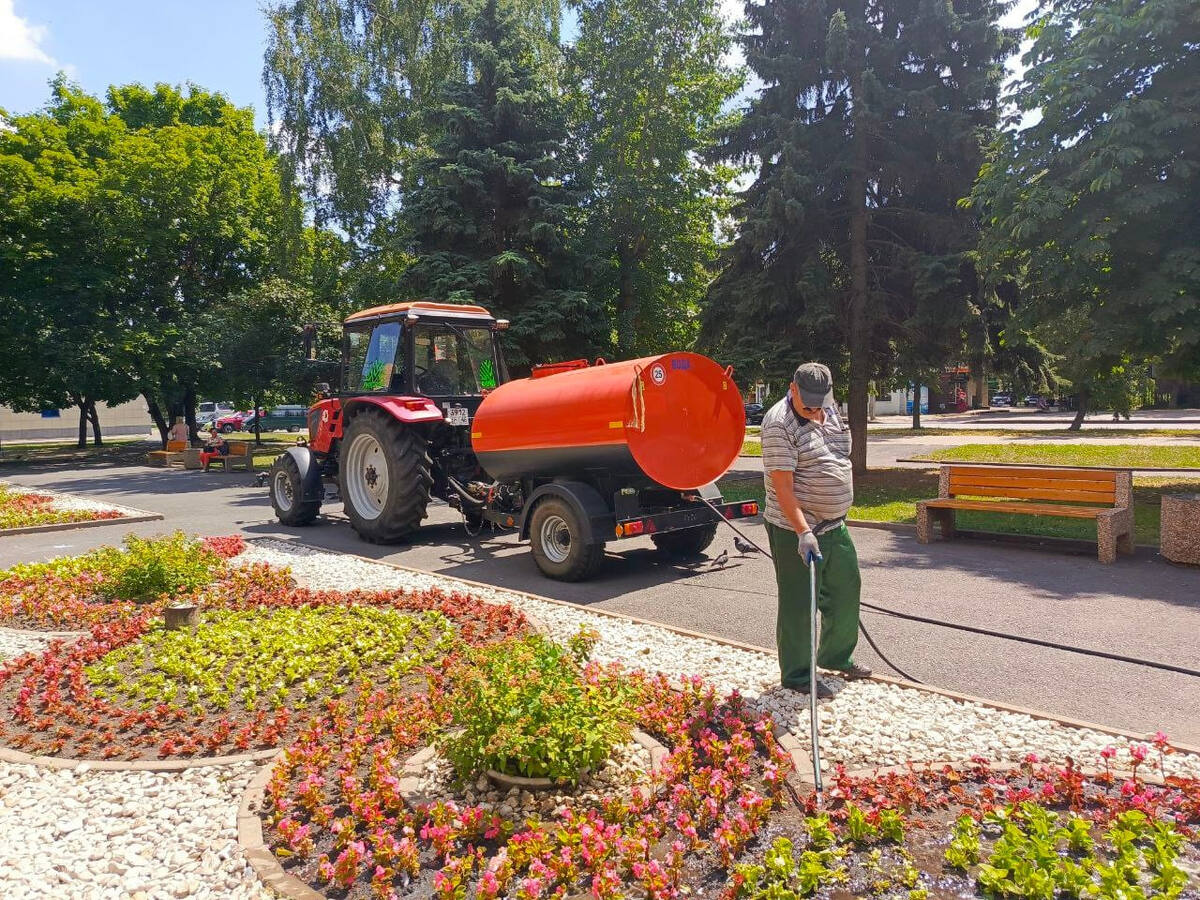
(637, 394)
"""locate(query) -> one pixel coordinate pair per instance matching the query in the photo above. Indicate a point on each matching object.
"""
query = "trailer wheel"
(287, 491)
(687, 543)
(556, 538)
(384, 476)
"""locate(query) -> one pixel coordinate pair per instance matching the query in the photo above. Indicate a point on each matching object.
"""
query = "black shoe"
(854, 673)
(824, 691)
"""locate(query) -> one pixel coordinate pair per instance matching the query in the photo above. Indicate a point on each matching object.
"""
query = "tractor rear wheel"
(556, 539)
(287, 493)
(687, 543)
(385, 477)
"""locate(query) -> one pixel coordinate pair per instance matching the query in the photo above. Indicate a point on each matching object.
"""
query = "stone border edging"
(9, 755)
(142, 516)
(253, 845)
(728, 642)
(410, 772)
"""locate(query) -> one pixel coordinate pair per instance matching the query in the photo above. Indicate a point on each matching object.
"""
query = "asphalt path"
(1141, 607)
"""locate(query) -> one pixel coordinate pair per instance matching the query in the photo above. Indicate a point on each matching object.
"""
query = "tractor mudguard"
(595, 518)
(310, 473)
(411, 410)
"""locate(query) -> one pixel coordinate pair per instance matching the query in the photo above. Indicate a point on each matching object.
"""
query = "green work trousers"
(838, 588)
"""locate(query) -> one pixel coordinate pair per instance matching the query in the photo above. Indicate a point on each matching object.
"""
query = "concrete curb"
(884, 679)
(932, 463)
(8, 755)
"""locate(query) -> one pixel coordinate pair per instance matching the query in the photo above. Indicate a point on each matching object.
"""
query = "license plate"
(457, 415)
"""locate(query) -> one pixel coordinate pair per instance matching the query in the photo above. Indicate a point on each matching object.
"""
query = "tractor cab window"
(453, 361)
(371, 357)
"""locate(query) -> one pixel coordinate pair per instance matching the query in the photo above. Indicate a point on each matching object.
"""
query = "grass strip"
(1132, 456)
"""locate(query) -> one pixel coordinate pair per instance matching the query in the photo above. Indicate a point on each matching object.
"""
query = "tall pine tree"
(492, 214)
(866, 134)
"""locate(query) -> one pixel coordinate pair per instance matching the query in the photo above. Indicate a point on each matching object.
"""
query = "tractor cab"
(446, 352)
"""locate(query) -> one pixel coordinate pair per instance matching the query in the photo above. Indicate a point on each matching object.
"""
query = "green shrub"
(149, 569)
(531, 707)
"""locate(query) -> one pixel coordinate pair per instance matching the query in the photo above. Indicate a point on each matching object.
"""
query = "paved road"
(1141, 607)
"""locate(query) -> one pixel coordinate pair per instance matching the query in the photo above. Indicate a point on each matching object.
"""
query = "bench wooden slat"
(1033, 471)
(1069, 484)
(1032, 493)
(1032, 509)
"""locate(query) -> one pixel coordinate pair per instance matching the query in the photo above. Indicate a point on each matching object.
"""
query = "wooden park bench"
(170, 456)
(241, 456)
(1101, 494)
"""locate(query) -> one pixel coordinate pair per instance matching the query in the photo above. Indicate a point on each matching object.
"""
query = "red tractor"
(574, 456)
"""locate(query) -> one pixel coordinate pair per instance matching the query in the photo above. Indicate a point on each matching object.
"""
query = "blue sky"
(215, 43)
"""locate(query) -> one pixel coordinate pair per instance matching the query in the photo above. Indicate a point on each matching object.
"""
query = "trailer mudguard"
(310, 473)
(595, 518)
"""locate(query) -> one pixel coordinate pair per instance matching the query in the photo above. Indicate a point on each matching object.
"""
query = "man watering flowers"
(810, 488)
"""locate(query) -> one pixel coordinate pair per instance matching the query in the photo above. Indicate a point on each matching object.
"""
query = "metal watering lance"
(812, 648)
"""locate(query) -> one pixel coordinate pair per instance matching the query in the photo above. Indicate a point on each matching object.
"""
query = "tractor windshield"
(453, 360)
(371, 357)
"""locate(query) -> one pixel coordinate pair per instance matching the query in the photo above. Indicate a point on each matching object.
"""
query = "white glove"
(808, 548)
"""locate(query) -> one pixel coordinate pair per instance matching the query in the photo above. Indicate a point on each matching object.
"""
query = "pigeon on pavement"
(721, 559)
(744, 547)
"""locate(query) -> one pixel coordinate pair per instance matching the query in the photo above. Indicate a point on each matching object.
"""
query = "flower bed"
(264, 658)
(22, 509)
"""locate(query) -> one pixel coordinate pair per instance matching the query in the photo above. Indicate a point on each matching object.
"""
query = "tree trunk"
(83, 421)
(189, 413)
(1080, 413)
(160, 421)
(917, 406)
(257, 428)
(94, 418)
(858, 331)
(626, 302)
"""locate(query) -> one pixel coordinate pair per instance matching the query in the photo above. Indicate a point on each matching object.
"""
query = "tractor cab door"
(374, 358)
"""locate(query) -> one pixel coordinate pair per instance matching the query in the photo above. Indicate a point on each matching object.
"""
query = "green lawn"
(1131, 456)
(122, 452)
(891, 495)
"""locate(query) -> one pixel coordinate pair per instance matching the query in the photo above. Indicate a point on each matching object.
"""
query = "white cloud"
(19, 38)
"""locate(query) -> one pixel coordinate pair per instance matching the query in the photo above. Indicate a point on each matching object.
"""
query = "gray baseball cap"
(815, 384)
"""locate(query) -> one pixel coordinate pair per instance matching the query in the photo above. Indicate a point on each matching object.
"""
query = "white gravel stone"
(866, 724)
(121, 833)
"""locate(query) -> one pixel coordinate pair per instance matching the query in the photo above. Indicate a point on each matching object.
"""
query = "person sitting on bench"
(215, 446)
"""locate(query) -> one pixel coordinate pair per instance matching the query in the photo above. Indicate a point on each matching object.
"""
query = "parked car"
(1032, 400)
(280, 418)
(208, 411)
(1001, 400)
(754, 413)
(236, 421)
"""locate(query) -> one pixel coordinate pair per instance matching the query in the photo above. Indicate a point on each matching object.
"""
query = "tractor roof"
(423, 309)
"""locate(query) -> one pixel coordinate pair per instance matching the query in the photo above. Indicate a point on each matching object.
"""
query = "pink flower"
(1048, 791)
(1159, 739)
(1129, 788)
(1032, 758)
(1108, 752)
(1139, 751)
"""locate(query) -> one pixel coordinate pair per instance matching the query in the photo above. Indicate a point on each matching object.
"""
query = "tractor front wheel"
(287, 494)
(687, 543)
(385, 477)
(556, 539)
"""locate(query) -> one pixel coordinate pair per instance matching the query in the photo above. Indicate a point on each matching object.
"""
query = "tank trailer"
(574, 456)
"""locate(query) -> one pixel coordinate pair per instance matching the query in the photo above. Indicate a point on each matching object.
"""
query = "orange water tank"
(676, 419)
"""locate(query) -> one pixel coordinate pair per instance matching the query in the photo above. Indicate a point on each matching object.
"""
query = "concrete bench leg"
(1106, 536)
(924, 525)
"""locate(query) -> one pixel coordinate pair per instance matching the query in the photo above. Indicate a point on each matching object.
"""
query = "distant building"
(128, 418)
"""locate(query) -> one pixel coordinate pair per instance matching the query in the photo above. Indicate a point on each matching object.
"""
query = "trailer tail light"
(632, 528)
(749, 509)
(729, 512)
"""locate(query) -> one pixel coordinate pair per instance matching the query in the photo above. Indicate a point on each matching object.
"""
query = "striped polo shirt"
(818, 456)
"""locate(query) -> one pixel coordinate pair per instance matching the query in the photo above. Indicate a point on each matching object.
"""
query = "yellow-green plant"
(534, 708)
